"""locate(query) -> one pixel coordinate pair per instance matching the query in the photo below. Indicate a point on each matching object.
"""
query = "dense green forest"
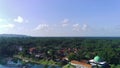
(75, 48)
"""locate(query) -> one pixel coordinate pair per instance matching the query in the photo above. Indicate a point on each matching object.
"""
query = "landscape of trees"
(74, 48)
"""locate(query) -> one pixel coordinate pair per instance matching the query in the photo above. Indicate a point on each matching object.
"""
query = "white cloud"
(64, 25)
(76, 27)
(19, 19)
(42, 27)
(61, 29)
(1, 20)
(7, 26)
(65, 22)
(84, 27)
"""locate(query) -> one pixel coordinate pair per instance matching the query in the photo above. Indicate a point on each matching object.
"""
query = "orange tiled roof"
(83, 63)
(31, 49)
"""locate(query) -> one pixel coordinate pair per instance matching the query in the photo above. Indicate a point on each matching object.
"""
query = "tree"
(72, 56)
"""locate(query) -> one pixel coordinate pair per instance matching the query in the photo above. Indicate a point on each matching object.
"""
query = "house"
(80, 64)
(32, 50)
(65, 58)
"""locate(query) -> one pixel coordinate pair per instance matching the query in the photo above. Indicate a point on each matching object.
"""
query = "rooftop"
(83, 63)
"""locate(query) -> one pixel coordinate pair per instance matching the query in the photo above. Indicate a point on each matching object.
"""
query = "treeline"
(107, 48)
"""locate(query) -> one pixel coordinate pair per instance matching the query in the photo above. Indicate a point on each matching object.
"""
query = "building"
(32, 50)
(81, 64)
(98, 62)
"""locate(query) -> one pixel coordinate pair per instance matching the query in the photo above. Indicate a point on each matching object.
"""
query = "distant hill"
(13, 35)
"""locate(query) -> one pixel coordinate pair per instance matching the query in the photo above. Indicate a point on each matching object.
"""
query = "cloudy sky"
(60, 17)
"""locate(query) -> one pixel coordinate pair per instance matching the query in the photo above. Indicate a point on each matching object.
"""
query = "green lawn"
(68, 66)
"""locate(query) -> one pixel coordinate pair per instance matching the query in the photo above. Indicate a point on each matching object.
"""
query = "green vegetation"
(115, 66)
(69, 66)
(55, 49)
(38, 61)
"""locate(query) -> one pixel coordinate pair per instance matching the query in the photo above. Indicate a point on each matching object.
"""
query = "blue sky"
(60, 17)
